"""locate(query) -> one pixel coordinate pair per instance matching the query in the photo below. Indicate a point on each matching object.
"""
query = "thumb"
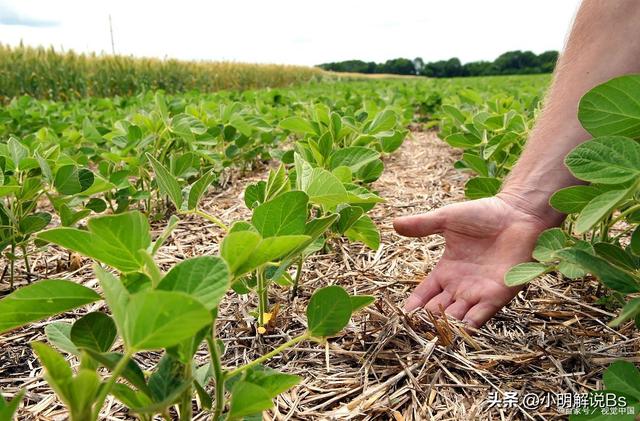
(422, 224)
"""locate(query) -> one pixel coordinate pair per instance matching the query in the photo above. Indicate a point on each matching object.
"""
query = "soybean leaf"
(116, 296)
(167, 183)
(272, 249)
(629, 311)
(34, 222)
(364, 230)
(298, 125)
(97, 205)
(605, 160)
(360, 301)
(329, 311)
(616, 255)
(82, 393)
(573, 199)
(72, 180)
(611, 108)
(461, 140)
(348, 216)
(205, 278)
(317, 226)
(95, 331)
(634, 245)
(323, 188)
(371, 172)
(41, 300)
(477, 164)
(391, 143)
(608, 274)
(354, 157)
(548, 243)
(255, 194)
(382, 122)
(132, 372)
(598, 208)
(573, 271)
(248, 399)
(9, 408)
(237, 247)
(623, 377)
(166, 379)
(523, 273)
(112, 239)
(17, 151)
(343, 174)
(160, 319)
(171, 225)
(277, 183)
(57, 372)
(198, 188)
(59, 334)
(479, 187)
(133, 399)
(284, 215)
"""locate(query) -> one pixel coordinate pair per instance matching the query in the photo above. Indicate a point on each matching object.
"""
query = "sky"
(291, 31)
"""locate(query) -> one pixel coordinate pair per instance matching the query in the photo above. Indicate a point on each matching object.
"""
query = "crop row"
(601, 234)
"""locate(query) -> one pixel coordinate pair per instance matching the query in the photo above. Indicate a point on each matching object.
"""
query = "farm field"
(193, 255)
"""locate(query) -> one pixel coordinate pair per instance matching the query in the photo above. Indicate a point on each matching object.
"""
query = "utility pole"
(113, 46)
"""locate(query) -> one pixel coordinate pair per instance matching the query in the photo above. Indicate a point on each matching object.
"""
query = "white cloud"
(296, 32)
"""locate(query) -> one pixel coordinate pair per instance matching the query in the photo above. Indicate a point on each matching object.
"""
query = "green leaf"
(199, 188)
(616, 255)
(612, 108)
(634, 245)
(17, 151)
(329, 311)
(476, 164)
(83, 391)
(573, 199)
(348, 216)
(359, 302)
(97, 205)
(205, 278)
(392, 143)
(167, 183)
(237, 247)
(167, 379)
(272, 249)
(354, 157)
(461, 140)
(383, 122)
(43, 299)
(248, 399)
(57, 371)
(277, 183)
(629, 311)
(284, 215)
(598, 208)
(364, 230)
(34, 222)
(255, 194)
(112, 239)
(298, 125)
(548, 243)
(59, 334)
(323, 188)
(571, 270)
(253, 391)
(95, 331)
(132, 372)
(608, 274)
(115, 294)
(479, 187)
(72, 180)
(9, 408)
(160, 319)
(605, 160)
(317, 226)
(623, 377)
(370, 172)
(523, 273)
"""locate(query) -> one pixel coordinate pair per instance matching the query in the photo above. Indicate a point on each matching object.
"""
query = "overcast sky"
(292, 31)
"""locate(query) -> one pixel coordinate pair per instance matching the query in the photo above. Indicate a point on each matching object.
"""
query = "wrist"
(532, 201)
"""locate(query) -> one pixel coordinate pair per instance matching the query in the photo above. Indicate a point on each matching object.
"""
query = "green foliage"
(9, 408)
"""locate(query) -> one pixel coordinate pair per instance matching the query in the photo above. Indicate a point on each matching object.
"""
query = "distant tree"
(509, 63)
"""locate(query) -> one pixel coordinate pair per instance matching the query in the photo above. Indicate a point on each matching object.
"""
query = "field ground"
(550, 339)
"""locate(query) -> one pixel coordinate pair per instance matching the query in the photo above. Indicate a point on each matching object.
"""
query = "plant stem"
(263, 299)
(209, 218)
(122, 364)
(218, 375)
(185, 403)
(294, 290)
(268, 355)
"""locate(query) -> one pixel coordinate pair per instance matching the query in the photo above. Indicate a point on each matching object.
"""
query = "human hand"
(484, 239)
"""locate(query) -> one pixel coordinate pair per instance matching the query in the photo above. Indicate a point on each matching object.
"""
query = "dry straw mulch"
(551, 339)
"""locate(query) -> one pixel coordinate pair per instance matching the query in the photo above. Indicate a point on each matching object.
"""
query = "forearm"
(604, 43)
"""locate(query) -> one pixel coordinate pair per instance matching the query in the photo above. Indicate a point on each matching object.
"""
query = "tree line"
(509, 63)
